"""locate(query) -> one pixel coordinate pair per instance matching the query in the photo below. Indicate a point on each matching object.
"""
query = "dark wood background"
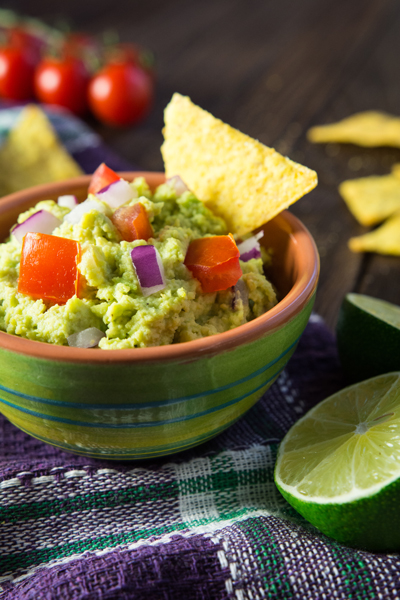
(271, 68)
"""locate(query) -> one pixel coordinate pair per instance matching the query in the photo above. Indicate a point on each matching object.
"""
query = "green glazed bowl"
(148, 402)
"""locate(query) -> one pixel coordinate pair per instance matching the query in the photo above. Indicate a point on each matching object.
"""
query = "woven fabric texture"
(204, 524)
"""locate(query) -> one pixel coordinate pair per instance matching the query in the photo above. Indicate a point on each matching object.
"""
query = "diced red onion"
(240, 292)
(87, 338)
(253, 253)
(117, 193)
(178, 184)
(250, 248)
(68, 201)
(77, 213)
(149, 269)
(40, 222)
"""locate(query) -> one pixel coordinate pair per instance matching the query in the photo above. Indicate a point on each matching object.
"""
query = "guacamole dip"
(110, 297)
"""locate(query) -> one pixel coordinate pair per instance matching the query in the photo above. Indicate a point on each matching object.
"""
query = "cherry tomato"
(122, 53)
(126, 52)
(83, 47)
(62, 81)
(78, 44)
(120, 94)
(19, 37)
(102, 177)
(16, 73)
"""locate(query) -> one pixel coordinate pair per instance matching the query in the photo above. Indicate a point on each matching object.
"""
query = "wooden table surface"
(271, 68)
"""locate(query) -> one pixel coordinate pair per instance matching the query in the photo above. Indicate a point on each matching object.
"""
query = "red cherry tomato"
(19, 37)
(120, 94)
(16, 73)
(123, 52)
(78, 44)
(62, 81)
(126, 52)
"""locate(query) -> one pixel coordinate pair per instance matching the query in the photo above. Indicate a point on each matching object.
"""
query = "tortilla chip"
(370, 128)
(372, 199)
(239, 178)
(33, 154)
(384, 240)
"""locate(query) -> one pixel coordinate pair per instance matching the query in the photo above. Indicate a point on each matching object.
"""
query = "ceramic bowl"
(148, 402)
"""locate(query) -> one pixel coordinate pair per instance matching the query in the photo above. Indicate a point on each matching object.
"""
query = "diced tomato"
(49, 267)
(133, 222)
(102, 177)
(214, 261)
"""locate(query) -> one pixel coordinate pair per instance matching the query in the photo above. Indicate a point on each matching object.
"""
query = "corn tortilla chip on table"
(369, 128)
(372, 199)
(33, 154)
(384, 240)
(238, 178)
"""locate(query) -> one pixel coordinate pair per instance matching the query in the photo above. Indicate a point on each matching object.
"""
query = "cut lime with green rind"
(368, 337)
(339, 465)
(367, 525)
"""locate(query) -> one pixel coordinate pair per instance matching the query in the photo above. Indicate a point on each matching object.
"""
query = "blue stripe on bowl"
(141, 424)
(140, 452)
(143, 405)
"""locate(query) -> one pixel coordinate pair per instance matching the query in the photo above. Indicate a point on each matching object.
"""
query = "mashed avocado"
(110, 297)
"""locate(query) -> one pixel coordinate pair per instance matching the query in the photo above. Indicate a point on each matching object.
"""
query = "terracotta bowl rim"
(298, 296)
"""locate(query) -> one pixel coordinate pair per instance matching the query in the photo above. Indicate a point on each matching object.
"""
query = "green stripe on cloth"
(208, 491)
(46, 555)
(65, 505)
(271, 565)
(353, 572)
(228, 484)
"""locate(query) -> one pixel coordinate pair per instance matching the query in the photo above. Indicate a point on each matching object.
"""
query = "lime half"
(368, 337)
(339, 465)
